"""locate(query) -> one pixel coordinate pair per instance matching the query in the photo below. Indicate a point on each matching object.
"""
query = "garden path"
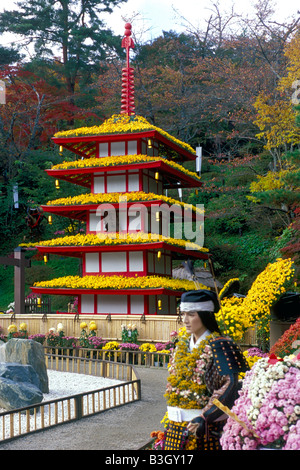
(124, 428)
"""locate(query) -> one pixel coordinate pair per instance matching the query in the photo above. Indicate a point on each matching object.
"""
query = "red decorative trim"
(80, 250)
(83, 176)
(105, 314)
(81, 211)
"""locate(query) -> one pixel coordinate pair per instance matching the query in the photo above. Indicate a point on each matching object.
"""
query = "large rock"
(19, 373)
(27, 352)
(19, 386)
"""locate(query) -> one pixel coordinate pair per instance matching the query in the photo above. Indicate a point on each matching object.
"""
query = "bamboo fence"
(151, 328)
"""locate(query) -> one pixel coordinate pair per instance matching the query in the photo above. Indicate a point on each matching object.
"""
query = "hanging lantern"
(157, 216)
(158, 254)
(50, 219)
(149, 143)
(159, 304)
(196, 192)
(45, 259)
(39, 302)
(57, 184)
(61, 150)
(157, 175)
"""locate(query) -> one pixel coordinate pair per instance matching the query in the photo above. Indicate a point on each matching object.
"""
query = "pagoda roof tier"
(81, 212)
(78, 251)
(173, 178)
(84, 141)
(76, 291)
(80, 206)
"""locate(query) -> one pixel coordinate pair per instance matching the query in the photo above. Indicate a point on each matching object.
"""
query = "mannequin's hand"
(197, 426)
(192, 427)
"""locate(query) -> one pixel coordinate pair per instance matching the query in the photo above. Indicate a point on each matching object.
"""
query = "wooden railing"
(135, 358)
(45, 415)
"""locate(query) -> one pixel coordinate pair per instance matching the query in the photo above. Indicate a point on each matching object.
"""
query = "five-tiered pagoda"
(127, 252)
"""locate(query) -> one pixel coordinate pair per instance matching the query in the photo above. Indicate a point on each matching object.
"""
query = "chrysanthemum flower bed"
(120, 160)
(91, 239)
(240, 313)
(110, 282)
(116, 198)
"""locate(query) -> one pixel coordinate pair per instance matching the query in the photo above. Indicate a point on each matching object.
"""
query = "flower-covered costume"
(199, 373)
(198, 376)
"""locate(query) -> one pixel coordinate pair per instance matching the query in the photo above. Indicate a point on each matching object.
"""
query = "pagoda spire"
(127, 100)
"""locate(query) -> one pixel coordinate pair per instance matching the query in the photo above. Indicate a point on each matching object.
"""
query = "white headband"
(197, 306)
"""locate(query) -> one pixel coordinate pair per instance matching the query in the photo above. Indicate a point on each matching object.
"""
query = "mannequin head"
(199, 309)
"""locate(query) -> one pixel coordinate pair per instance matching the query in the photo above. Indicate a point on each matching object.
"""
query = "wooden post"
(19, 279)
(20, 263)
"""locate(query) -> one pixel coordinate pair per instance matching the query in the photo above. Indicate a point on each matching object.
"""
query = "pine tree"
(69, 31)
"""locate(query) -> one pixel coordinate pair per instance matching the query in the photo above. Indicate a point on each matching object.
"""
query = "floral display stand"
(127, 165)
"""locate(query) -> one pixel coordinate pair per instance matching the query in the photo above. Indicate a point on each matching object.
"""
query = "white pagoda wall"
(128, 148)
(114, 262)
(127, 181)
(128, 262)
(127, 304)
(116, 183)
(125, 262)
(118, 148)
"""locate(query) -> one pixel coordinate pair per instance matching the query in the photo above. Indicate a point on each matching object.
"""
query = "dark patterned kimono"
(222, 382)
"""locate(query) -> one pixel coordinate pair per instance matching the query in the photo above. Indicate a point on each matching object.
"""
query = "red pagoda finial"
(127, 100)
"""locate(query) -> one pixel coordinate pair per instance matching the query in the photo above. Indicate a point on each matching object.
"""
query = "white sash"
(179, 414)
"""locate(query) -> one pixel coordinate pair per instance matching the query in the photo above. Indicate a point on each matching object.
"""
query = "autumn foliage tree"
(30, 116)
(203, 90)
(277, 121)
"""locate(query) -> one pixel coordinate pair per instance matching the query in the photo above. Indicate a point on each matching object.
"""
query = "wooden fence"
(135, 358)
(45, 415)
(153, 328)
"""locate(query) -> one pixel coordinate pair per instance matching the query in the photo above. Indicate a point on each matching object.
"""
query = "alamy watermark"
(178, 221)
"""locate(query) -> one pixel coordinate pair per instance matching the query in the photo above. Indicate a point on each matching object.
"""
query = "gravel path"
(124, 428)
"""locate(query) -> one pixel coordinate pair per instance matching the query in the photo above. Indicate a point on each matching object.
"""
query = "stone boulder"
(19, 386)
(27, 352)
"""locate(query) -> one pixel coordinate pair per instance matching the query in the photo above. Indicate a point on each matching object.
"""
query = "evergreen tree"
(8, 56)
(71, 31)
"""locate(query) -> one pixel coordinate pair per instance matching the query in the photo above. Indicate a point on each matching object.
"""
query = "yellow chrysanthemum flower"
(12, 328)
(238, 314)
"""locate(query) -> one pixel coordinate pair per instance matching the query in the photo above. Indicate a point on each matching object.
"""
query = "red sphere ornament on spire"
(127, 100)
